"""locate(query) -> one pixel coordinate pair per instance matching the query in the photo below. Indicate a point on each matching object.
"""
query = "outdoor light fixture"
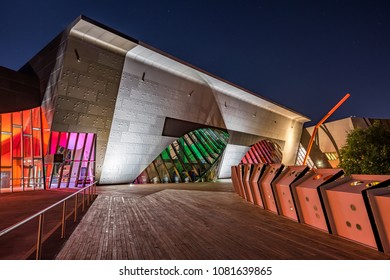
(77, 55)
(225, 105)
(254, 115)
(143, 76)
(190, 93)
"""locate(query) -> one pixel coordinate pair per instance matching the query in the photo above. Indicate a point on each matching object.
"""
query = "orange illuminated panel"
(21, 156)
(307, 199)
(258, 171)
(26, 121)
(245, 179)
(6, 150)
(344, 203)
(270, 174)
(17, 142)
(17, 118)
(6, 122)
(283, 192)
(36, 117)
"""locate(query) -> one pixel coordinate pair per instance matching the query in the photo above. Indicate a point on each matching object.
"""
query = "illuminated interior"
(21, 151)
(25, 138)
(301, 155)
(196, 156)
(70, 161)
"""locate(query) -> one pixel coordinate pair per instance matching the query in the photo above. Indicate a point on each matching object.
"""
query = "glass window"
(6, 122)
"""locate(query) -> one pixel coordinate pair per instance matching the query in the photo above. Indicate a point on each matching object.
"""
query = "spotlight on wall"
(190, 93)
(225, 105)
(143, 76)
(254, 115)
(77, 55)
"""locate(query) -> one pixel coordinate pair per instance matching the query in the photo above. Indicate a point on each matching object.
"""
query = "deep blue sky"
(301, 54)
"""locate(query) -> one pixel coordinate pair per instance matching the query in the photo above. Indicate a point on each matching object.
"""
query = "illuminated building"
(103, 106)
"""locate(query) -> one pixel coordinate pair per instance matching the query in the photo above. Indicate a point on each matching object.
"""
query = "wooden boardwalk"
(196, 221)
(15, 207)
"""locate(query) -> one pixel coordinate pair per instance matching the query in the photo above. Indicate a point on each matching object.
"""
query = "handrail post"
(39, 237)
(83, 200)
(63, 219)
(75, 208)
(88, 195)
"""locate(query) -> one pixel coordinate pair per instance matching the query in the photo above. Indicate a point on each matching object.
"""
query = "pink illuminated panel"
(270, 174)
(283, 192)
(71, 159)
(346, 208)
(307, 197)
(258, 170)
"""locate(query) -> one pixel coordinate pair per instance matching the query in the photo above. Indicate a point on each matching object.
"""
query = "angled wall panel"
(232, 156)
(148, 94)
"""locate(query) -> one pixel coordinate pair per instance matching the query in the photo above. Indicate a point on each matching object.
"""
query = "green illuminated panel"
(195, 156)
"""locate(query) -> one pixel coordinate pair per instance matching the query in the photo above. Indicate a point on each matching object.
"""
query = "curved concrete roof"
(94, 32)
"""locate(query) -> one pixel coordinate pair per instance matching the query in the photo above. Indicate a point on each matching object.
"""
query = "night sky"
(305, 55)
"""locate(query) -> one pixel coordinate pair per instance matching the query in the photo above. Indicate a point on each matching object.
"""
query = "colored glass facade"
(33, 158)
(193, 157)
(70, 161)
(264, 151)
(21, 151)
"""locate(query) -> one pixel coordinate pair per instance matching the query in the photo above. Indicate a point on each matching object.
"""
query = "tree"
(367, 151)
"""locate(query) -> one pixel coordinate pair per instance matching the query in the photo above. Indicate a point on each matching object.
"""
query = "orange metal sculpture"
(321, 122)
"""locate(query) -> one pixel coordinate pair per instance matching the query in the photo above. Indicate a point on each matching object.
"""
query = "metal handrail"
(41, 213)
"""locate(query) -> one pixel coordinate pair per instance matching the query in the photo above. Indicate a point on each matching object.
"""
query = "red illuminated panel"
(245, 179)
(235, 180)
(347, 211)
(240, 169)
(270, 174)
(283, 193)
(307, 199)
(258, 170)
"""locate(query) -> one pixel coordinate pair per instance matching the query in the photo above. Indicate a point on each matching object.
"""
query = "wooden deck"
(196, 221)
(15, 207)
